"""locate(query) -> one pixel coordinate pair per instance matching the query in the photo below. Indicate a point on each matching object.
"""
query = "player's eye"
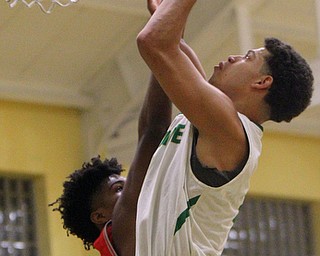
(117, 187)
(249, 55)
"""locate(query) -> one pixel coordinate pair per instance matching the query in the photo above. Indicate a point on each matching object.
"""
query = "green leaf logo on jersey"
(185, 214)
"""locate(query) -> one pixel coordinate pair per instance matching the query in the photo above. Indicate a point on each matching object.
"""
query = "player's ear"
(99, 216)
(264, 82)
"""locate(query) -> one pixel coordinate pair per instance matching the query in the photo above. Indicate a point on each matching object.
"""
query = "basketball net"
(45, 8)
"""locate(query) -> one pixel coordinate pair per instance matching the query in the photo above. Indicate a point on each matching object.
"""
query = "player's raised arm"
(207, 107)
(154, 119)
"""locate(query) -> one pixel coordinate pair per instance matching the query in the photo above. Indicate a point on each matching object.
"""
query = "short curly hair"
(74, 204)
(292, 86)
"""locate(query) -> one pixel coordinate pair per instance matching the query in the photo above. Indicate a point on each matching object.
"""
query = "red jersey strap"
(104, 242)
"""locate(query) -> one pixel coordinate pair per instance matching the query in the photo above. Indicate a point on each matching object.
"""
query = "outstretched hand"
(153, 5)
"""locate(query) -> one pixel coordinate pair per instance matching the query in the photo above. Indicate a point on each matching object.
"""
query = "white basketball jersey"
(178, 214)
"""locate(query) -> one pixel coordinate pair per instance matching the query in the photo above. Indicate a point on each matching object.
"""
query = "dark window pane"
(17, 217)
(271, 227)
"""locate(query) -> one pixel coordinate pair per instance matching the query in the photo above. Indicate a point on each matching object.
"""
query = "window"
(271, 227)
(17, 221)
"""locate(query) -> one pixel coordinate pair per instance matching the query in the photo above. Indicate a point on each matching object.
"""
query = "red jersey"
(104, 242)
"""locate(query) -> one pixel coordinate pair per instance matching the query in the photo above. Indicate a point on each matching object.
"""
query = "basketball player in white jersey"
(200, 173)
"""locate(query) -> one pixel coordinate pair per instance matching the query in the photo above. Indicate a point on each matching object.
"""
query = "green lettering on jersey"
(185, 214)
(165, 138)
(175, 135)
(176, 138)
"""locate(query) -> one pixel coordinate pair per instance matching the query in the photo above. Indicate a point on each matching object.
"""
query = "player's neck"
(257, 112)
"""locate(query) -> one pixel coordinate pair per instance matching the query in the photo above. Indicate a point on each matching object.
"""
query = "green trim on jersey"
(185, 214)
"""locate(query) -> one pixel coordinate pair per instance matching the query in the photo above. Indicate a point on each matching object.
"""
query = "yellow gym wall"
(45, 142)
(289, 168)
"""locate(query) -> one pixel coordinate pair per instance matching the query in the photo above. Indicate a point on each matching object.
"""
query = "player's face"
(113, 189)
(239, 70)
(110, 192)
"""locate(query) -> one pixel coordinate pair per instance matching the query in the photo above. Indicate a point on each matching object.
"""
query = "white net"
(45, 7)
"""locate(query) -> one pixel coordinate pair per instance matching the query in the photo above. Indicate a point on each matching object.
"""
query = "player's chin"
(212, 80)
